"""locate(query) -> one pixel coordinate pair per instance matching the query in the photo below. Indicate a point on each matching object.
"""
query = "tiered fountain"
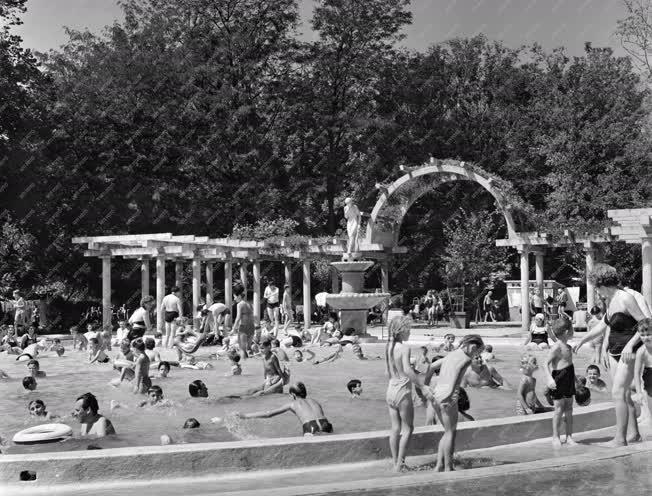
(351, 301)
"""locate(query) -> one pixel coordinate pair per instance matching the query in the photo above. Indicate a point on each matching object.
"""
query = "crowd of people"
(437, 376)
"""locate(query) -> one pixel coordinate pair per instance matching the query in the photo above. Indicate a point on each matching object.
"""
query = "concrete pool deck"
(203, 459)
(515, 464)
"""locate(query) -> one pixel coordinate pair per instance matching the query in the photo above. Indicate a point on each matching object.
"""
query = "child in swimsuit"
(141, 368)
(38, 409)
(596, 344)
(527, 402)
(561, 381)
(593, 380)
(445, 395)
(354, 387)
(236, 369)
(399, 389)
(96, 353)
(309, 412)
(35, 368)
(448, 344)
(643, 366)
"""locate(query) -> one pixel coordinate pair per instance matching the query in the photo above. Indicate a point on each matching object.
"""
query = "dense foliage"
(201, 116)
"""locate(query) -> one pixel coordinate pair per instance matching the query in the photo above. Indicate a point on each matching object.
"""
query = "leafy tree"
(635, 33)
(334, 99)
(470, 257)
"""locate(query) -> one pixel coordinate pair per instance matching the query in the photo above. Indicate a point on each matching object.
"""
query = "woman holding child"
(625, 308)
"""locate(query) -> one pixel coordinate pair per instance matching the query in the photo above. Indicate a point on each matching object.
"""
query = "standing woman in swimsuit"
(620, 321)
(139, 320)
(399, 389)
(244, 320)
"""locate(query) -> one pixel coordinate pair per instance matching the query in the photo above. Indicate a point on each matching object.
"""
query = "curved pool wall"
(167, 462)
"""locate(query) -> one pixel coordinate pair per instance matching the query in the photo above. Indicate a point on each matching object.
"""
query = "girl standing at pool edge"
(399, 389)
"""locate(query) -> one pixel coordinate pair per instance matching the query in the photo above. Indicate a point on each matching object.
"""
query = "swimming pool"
(69, 376)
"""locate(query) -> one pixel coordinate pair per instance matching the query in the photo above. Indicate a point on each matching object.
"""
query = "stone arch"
(395, 200)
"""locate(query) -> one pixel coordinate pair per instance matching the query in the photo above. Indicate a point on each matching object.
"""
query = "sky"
(551, 23)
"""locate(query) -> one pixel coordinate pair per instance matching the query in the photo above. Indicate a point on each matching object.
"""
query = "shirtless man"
(92, 423)
(309, 412)
(172, 309)
(479, 374)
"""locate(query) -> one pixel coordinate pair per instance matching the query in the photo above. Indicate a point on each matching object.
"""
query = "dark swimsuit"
(647, 380)
(622, 328)
(170, 316)
(565, 380)
(539, 337)
(315, 426)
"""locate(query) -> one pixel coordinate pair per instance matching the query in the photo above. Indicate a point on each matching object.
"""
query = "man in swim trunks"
(479, 374)
(173, 309)
(271, 295)
(309, 412)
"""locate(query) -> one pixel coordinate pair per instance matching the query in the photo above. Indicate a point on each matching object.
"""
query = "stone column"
(590, 289)
(287, 268)
(209, 283)
(106, 292)
(243, 276)
(539, 271)
(335, 281)
(307, 306)
(384, 276)
(178, 277)
(196, 287)
(256, 303)
(144, 277)
(646, 275)
(228, 289)
(160, 291)
(525, 288)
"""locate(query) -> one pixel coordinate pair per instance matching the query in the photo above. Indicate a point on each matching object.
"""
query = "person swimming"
(309, 412)
(479, 374)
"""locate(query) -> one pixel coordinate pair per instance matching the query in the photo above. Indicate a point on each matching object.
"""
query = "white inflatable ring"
(46, 433)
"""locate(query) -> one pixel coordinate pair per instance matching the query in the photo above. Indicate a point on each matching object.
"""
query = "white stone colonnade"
(633, 226)
(198, 251)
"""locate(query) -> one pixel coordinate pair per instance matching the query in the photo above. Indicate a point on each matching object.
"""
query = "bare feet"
(634, 439)
(439, 468)
(614, 443)
(570, 441)
(556, 443)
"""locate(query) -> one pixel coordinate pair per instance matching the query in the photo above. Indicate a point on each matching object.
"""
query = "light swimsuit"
(397, 389)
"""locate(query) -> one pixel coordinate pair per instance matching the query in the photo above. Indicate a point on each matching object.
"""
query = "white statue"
(352, 216)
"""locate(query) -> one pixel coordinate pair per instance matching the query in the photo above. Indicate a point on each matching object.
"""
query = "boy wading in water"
(444, 396)
(399, 389)
(561, 381)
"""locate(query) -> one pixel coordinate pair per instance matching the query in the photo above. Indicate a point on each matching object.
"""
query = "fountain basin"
(353, 266)
(355, 301)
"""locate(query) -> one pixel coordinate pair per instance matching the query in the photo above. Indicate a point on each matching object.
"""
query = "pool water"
(70, 376)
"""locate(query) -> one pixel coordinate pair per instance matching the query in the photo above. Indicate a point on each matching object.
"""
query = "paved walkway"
(526, 459)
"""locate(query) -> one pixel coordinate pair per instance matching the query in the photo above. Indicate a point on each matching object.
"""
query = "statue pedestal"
(353, 304)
